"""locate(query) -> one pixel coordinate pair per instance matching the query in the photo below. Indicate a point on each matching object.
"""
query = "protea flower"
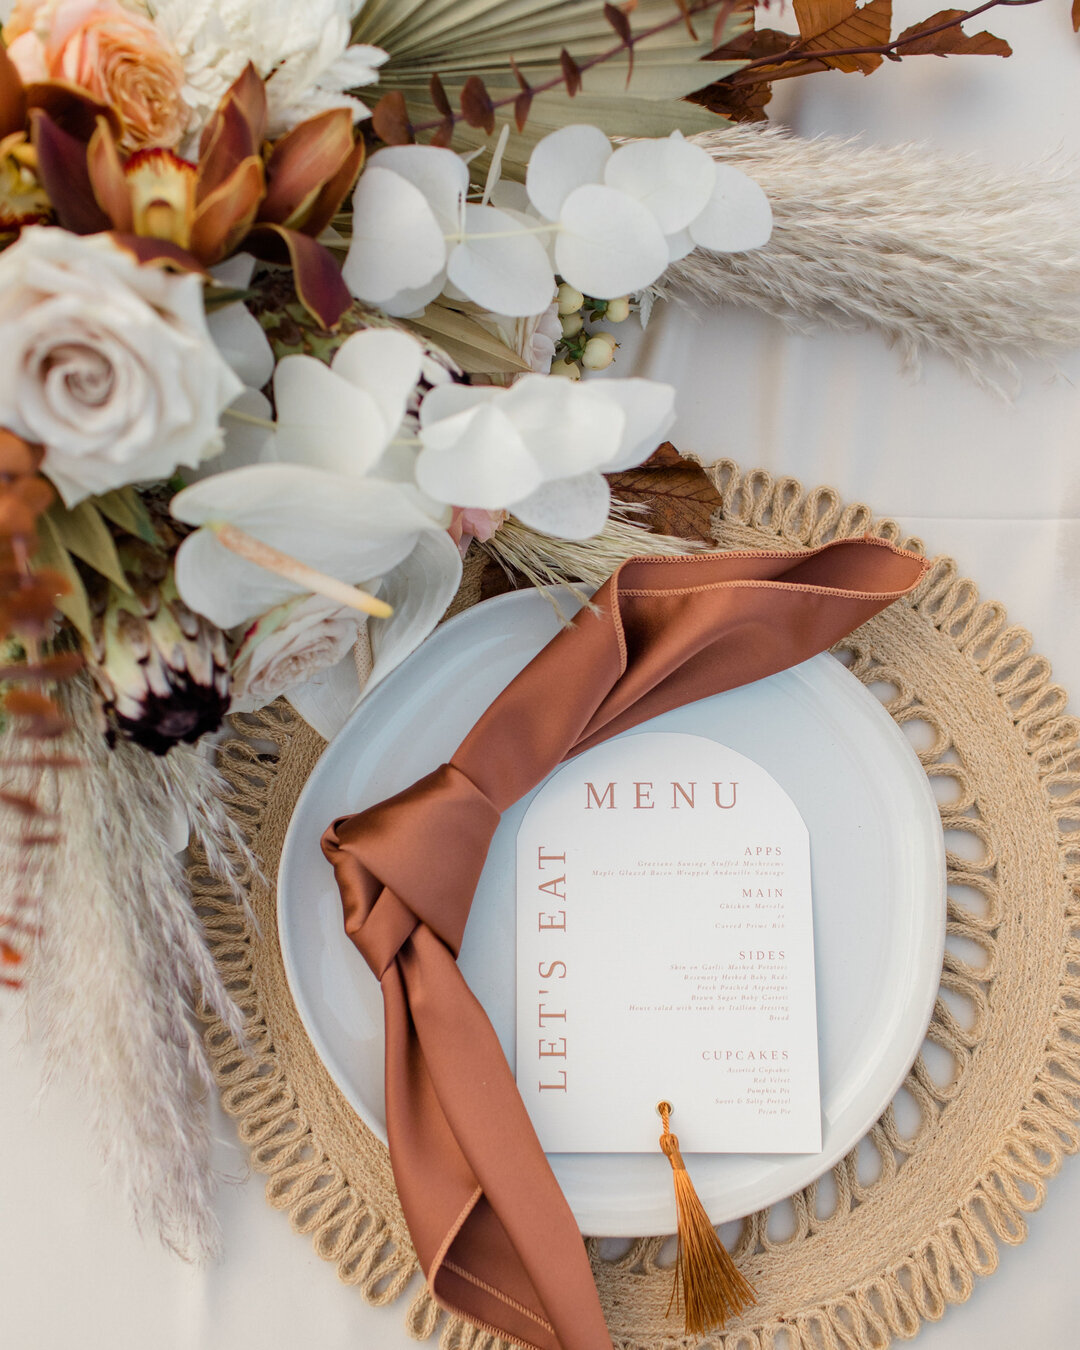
(163, 671)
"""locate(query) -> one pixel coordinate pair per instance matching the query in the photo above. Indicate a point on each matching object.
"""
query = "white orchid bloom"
(324, 515)
(344, 526)
(624, 214)
(414, 233)
(541, 447)
(348, 529)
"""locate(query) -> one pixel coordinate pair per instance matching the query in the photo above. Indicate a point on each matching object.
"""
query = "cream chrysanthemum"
(303, 52)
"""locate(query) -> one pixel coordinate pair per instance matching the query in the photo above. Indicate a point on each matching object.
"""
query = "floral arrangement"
(221, 545)
(286, 330)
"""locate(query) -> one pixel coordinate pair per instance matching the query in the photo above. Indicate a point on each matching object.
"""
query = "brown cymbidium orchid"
(23, 196)
(271, 200)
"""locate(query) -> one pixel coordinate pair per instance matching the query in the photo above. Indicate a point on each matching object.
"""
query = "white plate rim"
(612, 1223)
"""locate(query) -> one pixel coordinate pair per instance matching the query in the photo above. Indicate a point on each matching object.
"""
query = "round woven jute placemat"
(900, 1227)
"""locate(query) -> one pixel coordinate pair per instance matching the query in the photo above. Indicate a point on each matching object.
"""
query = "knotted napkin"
(492, 1231)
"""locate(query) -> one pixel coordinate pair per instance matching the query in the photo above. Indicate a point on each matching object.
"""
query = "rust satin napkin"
(492, 1231)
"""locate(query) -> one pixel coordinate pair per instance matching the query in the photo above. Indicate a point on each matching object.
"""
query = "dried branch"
(753, 71)
(35, 722)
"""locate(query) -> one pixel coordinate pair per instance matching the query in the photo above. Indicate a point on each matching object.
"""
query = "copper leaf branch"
(752, 72)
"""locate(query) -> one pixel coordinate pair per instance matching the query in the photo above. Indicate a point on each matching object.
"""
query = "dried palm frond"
(943, 254)
(121, 965)
(456, 39)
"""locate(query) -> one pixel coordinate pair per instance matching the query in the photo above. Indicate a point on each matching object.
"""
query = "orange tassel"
(708, 1284)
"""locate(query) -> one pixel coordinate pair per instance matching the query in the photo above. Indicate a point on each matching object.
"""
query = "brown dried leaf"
(26, 807)
(1076, 16)
(476, 104)
(523, 106)
(951, 41)
(571, 72)
(833, 25)
(443, 134)
(16, 518)
(42, 761)
(739, 103)
(16, 456)
(619, 22)
(439, 97)
(10, 956)
(35, 492)
(621, 25)
(523, 83)
(681, 500)
(30, 609)
(724, 13)
(684, 9)
(39, 714)
(390, 119)
(60, 667)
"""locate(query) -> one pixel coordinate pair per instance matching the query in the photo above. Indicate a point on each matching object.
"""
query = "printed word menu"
(665, 950)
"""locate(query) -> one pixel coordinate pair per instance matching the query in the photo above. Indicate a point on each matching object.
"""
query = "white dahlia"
(303, 51)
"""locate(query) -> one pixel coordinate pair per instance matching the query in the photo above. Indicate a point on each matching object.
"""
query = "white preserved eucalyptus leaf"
(672, 177)
(737, 217)
(440, 175)
(397, 241)
(609, 243)
(476, 458)
(499, 266)
(569, 508)
(411, 303)
(679, 245)
(563, 161)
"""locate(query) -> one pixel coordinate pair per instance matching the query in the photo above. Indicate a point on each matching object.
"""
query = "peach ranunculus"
(116, 55)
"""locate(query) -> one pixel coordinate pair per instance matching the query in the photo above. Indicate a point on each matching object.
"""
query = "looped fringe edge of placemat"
(332, 1177)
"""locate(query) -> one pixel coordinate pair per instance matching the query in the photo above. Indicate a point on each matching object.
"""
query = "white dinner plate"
(877, 862)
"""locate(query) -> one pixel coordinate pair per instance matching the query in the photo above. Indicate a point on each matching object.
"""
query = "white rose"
(287, 646)
(107, 363)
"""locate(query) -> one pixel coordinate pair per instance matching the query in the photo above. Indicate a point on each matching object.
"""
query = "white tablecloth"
(997, 486)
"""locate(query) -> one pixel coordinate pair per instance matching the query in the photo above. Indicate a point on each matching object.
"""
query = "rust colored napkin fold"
(492, 1230)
